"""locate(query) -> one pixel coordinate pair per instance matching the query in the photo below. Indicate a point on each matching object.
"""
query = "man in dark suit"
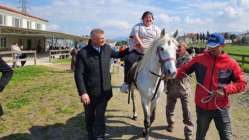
(93, 81)
(7, 73)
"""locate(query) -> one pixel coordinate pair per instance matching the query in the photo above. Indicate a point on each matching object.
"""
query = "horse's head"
(166, 46)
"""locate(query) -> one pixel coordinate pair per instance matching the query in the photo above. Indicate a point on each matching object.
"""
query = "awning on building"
(13, 31)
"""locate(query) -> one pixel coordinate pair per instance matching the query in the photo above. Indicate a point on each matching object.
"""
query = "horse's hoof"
(134, 118)
(144, 133)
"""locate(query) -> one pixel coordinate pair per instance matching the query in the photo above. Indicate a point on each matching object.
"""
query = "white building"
(13, 18)
(30, 32)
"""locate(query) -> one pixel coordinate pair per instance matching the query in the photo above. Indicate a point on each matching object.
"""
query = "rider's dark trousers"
(130, 59)
(95, 119)
(221, 119)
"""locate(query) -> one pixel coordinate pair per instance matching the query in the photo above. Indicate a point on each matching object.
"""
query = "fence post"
(35, 58)
(49, 56)
(243, 59)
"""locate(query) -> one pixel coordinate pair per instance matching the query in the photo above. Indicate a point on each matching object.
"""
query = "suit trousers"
(95, 119)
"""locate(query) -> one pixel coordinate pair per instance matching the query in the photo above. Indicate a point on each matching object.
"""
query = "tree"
(198, 37)
(207, 35)
(121, 43)
(226, 35)
(233, 36)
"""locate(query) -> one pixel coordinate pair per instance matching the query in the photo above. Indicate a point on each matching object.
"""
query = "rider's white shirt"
(146, 34)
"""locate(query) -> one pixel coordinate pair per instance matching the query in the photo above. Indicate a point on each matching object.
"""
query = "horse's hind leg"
(145, 104)
(134, 117)
(153, 110)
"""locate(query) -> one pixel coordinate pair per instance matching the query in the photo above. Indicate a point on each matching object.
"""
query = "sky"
(117, 17)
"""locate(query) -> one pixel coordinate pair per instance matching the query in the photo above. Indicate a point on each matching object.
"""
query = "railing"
(241, 58)
(61, 54)
(13, 58)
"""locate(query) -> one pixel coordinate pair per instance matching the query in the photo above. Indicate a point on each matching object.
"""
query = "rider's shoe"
(124, 88)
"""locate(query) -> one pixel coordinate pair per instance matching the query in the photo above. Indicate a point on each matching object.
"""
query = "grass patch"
(36, 100)
(28, 73)
(62, 61)
(18, 103)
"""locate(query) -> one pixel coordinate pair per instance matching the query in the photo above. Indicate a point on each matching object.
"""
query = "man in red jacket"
(217, 76)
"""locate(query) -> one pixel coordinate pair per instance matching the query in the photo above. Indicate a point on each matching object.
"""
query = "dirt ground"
(121, 126)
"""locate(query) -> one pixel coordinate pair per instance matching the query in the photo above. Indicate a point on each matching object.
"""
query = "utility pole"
(23, 6)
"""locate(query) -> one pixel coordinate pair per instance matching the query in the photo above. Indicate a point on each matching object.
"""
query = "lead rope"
(208, 98)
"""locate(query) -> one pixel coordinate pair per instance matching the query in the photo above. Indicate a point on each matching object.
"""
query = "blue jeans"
(221, 119)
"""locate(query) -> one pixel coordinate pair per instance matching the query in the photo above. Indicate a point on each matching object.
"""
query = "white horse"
(158, 60)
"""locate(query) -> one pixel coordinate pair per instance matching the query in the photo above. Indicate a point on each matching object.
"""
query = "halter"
(163, 60)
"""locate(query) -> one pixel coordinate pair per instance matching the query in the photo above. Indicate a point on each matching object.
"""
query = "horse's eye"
(161, 49)
(169, 43)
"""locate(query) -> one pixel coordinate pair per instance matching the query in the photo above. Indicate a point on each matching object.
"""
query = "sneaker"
(124, 88)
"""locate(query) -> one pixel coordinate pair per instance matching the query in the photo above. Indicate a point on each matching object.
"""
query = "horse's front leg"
(145, 104)
(134, 117)
(153, 110)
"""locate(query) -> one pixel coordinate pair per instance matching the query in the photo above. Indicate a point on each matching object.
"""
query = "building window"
(38, 26)
(17, 22)
(2, 42)
(29, 24)
(2, 19)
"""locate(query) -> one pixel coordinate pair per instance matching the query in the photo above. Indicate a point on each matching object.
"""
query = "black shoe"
(188, 138)
(170, 128)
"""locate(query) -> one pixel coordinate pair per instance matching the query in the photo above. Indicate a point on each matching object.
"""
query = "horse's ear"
(175, 33)
(163, 33)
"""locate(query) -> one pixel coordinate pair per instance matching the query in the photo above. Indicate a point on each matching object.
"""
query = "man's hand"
(84, 98)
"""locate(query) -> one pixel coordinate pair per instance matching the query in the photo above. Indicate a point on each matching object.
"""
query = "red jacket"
(213, 73)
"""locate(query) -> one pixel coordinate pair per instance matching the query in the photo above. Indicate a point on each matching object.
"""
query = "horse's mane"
(157, 42)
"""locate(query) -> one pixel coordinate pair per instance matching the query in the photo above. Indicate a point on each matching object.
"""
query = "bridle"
(162, 60)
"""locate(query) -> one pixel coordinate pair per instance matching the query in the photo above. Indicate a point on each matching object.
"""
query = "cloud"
(118, 16)
(198, 21)
(116, 24)
(53, 27)
(231, 11)
(164, 18)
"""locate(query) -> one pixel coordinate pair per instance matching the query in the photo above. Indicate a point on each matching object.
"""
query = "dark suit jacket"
(92, 71)
(7, 73)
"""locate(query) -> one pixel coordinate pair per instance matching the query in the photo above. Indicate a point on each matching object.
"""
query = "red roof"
(18, 12)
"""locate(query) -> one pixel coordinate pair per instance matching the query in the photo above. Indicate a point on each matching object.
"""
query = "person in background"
(180, 88)
(17, 53)
(93, 81)
(218, 76)
(140, 40)
(6, 74)
(73, 53)
(23, 57)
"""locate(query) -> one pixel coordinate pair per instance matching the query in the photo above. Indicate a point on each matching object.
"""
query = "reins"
(211, 96)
